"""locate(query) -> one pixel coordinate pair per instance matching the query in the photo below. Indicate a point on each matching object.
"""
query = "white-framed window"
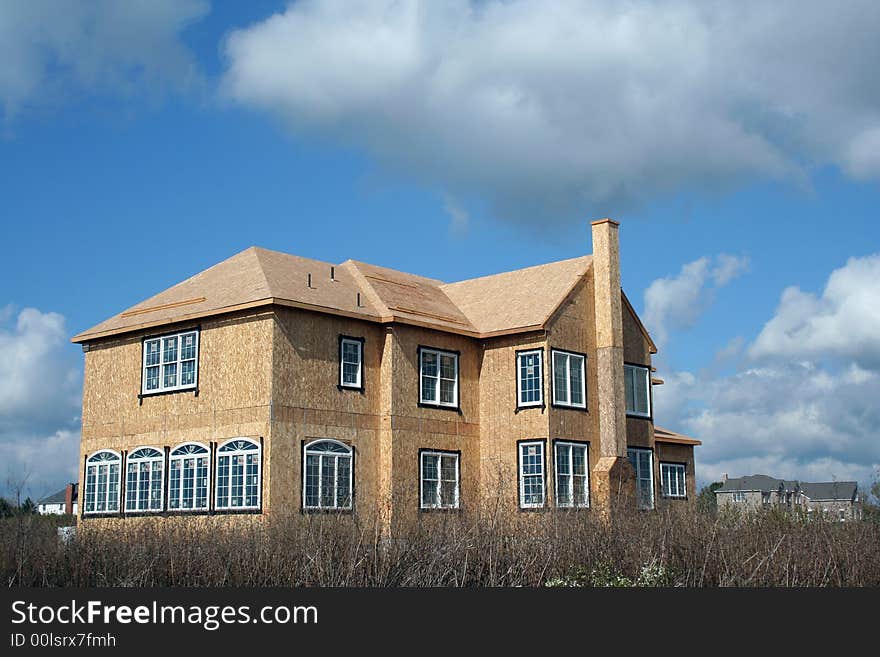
(239, 473)
(529, 378)
(438, 380)
(439, 477)
(103, 479)
(637, 383)
(569, 380)
(672, 479)
(572, 474)
(739, 496)
(171, 362)
(351, 356)
(144, 481)
(643, 463)
(531, 474)
(189, 481)
(328, 476)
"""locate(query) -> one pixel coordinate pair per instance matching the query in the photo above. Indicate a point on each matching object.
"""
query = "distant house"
(60, 503)
(835, 499)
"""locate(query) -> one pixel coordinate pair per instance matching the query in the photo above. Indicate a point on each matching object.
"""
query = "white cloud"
(459, 219)
(40, 397)
(803, 404)
(579, 109)
(50, 50)
(844, 322)
(677, 302)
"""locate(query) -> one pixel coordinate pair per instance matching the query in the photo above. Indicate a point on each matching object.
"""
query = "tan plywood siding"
(233, 400)
(574, 329)
(308, 404)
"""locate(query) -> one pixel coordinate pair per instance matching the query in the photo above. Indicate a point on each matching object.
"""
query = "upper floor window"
(143, 480)
(637, 381)
(643, 463)
(531, 474)
(672, 479)
(569, 382)
(238, 475)
(188, 480)
(351, 356)
(103, 473)
(327, 480)
(171, 362)
(529, 378)
(438, 383)
(572, 475)
(439, 480)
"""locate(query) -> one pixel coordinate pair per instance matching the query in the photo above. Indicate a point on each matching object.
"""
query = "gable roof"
(523, 299)
(60, 497)
(757, 482)
(826, 490)
(510, 302)
(830, 490)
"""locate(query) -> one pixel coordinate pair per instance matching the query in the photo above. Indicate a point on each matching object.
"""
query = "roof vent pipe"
(310, 280)
(359, 300)
(332, 273)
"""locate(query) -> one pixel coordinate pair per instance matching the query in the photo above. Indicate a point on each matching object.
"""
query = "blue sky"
(456, 140)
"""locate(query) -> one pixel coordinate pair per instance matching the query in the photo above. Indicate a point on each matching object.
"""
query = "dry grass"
(555, 548)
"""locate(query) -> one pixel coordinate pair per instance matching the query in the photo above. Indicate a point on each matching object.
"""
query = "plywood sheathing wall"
(233, 400)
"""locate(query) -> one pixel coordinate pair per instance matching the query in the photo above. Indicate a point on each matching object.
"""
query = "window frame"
(649, 396)
(131, 459)
(456, 406)
(568, 404)
(571, 444)
(650, 452)
(520, 476)
(440, 453)
(209, 487)
(519, 390)
(341, 384)
(118, 461)
(304, 473)
(673, 465)
(160, 338)
(228, 508)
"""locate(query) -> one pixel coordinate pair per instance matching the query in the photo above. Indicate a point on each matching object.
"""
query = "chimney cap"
(605, 221)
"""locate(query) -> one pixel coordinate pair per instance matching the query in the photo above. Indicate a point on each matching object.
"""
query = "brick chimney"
(69, 497)
(615, 475)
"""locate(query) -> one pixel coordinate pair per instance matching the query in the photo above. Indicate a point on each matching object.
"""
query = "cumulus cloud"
(844, 322)
(677, 302)
(40, 394)
(581, 109)
(49, 50)
(803, 403)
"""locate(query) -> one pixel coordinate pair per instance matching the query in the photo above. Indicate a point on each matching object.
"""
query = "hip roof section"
(510, 302)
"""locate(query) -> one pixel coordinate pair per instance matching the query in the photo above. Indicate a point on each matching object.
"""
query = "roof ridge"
(520, 269)
(256, 250)
(351, 266)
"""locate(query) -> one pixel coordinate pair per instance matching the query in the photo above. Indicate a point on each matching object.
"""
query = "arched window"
(327, 480)
(188, 480)
(238, 475)
(143, 480)
(103, 474)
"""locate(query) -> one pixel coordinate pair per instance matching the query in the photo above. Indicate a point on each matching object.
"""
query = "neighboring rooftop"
(511, 302)
(59, 497)
(832, 490)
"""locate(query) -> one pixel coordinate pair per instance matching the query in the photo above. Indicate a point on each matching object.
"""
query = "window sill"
(313, 511)
(524, 407)
(441, 407)
(159, 393)
(570, 407)
(637, 416)
(439, 509)
(350, 388)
